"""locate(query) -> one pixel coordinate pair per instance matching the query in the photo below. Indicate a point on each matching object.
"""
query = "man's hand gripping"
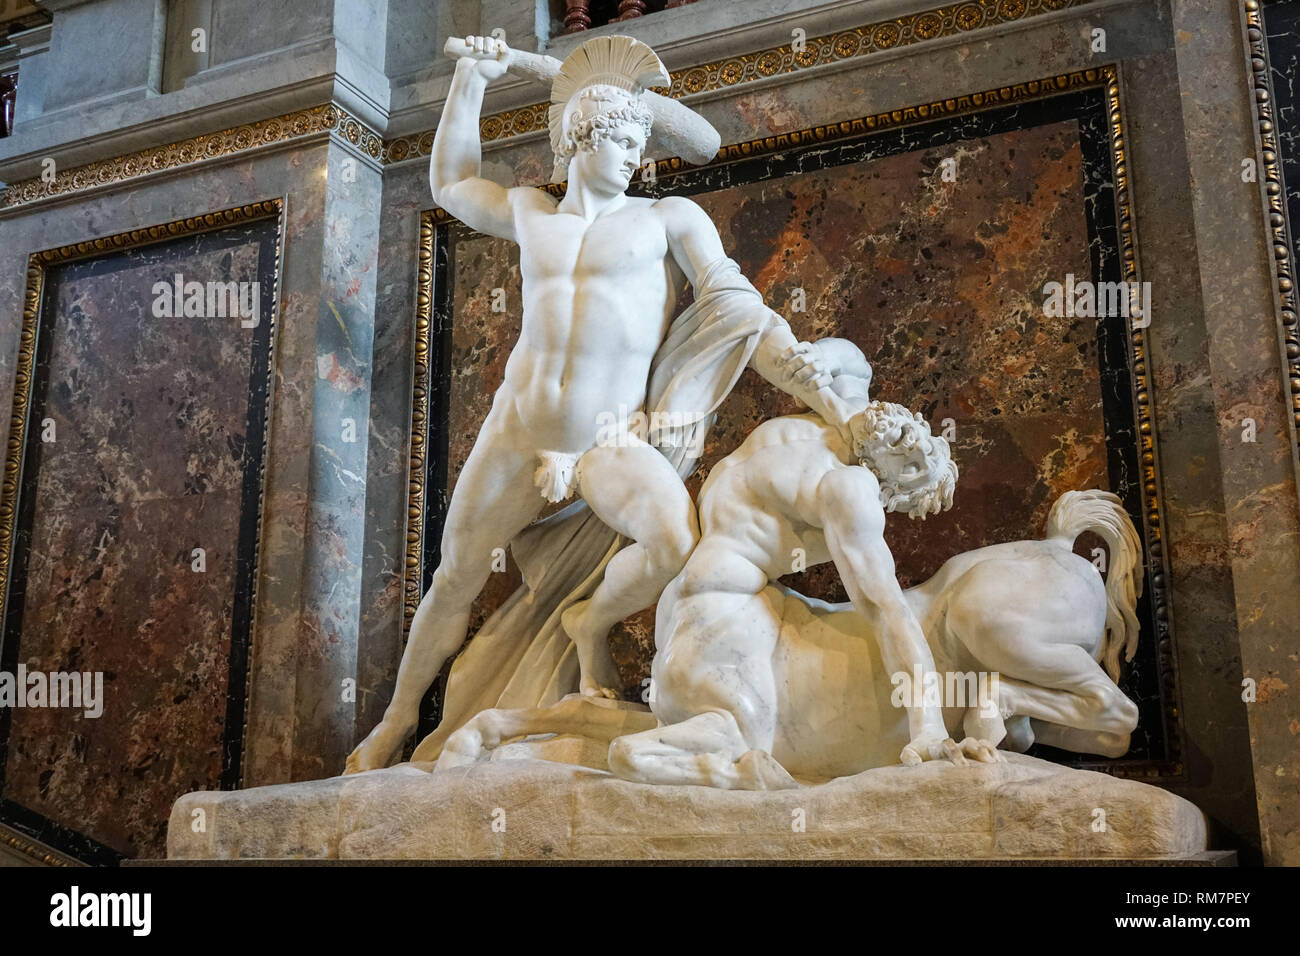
(490, 57)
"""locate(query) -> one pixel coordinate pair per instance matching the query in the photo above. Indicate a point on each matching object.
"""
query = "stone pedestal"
(527, 809)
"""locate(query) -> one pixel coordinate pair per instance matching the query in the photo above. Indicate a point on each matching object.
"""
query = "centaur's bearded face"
(915, 469)
(605, 132)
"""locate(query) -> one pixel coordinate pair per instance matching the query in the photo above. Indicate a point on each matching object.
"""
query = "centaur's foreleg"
(575, 714)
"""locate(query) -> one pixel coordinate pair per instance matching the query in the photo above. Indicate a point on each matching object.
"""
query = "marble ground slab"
(532, 809)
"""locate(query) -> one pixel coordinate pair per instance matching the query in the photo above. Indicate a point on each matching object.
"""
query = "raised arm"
(454, 165)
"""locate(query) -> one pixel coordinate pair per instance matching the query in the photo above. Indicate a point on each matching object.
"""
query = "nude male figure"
(602, 273)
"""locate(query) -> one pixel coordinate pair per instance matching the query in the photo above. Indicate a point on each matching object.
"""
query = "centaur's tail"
(1101, 513)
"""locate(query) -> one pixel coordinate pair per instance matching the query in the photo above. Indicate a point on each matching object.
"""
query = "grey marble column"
(1245, 365)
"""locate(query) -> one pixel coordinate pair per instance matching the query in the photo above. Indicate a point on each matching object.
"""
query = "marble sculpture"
(754, 686)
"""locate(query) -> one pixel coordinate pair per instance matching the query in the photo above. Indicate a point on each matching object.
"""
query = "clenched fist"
(490, 57)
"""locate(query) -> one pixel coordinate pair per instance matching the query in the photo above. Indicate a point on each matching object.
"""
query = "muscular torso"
(597, 301)
(761, 502)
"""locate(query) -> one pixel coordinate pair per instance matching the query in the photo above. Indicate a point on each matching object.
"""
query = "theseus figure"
(602, 274)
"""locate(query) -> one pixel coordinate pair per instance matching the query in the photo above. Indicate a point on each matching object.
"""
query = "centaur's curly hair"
(884, 431)
(586, 130)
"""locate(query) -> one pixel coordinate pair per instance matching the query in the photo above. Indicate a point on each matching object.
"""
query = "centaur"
(754, 684)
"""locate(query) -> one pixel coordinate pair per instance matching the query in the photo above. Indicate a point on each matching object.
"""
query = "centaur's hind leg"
(706, 750)
(1041, 650)
(1072, 721)
(1019, 732)
(573, 715)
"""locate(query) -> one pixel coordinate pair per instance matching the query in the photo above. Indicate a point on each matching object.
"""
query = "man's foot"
(379, 747)
(599, 677)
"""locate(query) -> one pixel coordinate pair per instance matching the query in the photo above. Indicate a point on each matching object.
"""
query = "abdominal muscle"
(584, 351)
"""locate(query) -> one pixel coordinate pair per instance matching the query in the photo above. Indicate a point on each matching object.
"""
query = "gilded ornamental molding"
(1274, 194)
(327, 120)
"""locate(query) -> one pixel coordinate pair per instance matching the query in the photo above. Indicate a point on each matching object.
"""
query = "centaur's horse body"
(1032, 611)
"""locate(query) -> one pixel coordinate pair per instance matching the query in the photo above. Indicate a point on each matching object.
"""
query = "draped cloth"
(521, 657)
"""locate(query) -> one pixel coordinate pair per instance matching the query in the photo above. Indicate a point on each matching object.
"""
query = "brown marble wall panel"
(157, 433)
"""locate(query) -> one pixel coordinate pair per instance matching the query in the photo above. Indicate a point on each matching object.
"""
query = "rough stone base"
(1025, 808)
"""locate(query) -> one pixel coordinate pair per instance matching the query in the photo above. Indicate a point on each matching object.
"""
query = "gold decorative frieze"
(938, 23)
(929, 25)
(301, 124)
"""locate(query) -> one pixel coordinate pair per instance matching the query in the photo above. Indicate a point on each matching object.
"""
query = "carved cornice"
(317, 121)
(873, 38)
(1274, 197)
(927, 26)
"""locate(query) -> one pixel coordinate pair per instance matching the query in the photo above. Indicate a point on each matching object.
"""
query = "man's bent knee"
(459, 580)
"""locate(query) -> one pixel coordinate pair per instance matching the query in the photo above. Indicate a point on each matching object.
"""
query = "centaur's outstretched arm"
(575, 714)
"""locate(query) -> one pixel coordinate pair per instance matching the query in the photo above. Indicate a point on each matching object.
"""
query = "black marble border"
(265, 229)
(1282, 33)
(1149, 679)
(1272, 48)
